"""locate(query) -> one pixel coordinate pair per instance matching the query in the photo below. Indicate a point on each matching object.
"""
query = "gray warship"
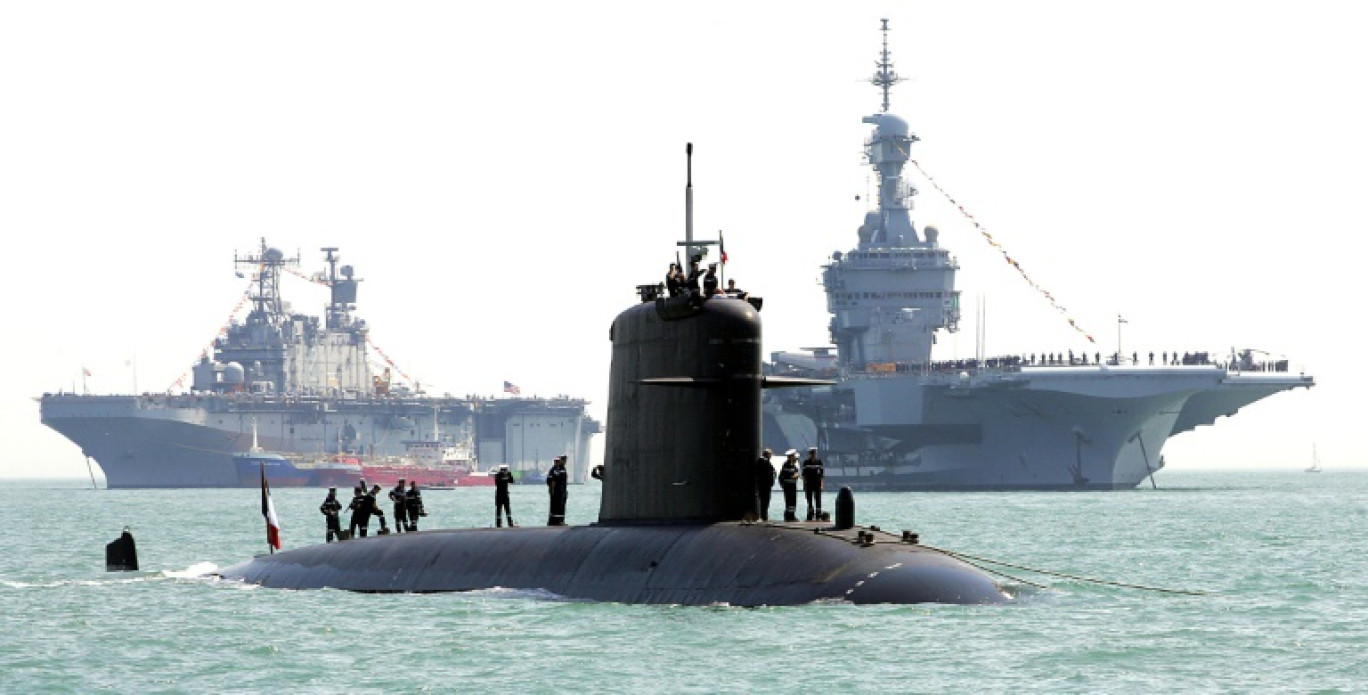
(900, 420)
(306, 388)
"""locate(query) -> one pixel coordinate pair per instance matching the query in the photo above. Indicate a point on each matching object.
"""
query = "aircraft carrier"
(900, 420)
(307, 389)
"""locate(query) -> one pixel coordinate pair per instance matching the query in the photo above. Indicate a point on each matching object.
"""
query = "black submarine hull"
(731, 563)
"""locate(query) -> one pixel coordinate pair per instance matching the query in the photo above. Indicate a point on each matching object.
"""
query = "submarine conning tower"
(683, 412)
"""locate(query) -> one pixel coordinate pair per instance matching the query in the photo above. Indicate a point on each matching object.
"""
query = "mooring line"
(966, 557)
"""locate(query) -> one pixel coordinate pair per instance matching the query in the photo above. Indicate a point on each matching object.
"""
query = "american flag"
(510, 387)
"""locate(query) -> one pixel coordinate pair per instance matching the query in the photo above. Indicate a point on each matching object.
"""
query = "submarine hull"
(733, 563)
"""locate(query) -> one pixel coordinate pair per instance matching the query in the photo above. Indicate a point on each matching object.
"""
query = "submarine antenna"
(689, 249)
(885, 78)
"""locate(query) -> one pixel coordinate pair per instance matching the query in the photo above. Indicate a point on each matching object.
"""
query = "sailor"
(413, 504)
(710, 281)
(360, 513)
(502, 479)
(692, 281)
(556, 480)
(812, 482)
(764, 482)
(330, 509)
(371, 503)
(674, 280)
(400, 511)
(788, 481)
(734, 291)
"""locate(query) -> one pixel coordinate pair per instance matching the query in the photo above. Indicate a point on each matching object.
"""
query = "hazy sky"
(503, 174)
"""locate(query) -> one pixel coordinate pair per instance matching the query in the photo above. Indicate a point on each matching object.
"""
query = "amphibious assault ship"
(306, 387)
(900, 420)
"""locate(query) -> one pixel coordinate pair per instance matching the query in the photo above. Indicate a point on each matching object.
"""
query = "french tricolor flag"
(268, 511)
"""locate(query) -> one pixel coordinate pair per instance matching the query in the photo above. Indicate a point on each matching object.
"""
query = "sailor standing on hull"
(330, 509)
(502, 480)
(373, 505)
(813, 473)
(400, 507)
(556, 480)
(360, 512)
(764, 483)
(413, 500)
(788, 480)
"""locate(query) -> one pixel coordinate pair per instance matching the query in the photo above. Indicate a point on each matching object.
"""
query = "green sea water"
(1280, 557)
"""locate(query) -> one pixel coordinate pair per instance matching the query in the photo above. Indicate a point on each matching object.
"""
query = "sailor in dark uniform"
(710, 281)
(813, 473)
(400, 511)
(556, 480)
(764, 483)
(502, 479)
(413, 503)
(372, 503)
(788, 481)
(360, 513)
(330, 509)
(694, 274)
(674, 281)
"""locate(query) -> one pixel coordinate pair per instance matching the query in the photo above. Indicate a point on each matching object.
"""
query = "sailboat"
(1315, 461)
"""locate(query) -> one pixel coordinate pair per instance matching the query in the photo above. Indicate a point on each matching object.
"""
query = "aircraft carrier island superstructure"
(306, 390)
(898, 419)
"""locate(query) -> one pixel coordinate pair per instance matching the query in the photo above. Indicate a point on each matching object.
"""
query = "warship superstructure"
(898, 419)
(308, 388)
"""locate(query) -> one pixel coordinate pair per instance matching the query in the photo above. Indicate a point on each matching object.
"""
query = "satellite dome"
(233, 373)
(889, 125)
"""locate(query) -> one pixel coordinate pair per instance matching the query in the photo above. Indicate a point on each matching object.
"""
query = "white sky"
(503, 174)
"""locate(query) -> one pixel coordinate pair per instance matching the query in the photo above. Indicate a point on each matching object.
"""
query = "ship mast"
(885, 78)
(268, 308)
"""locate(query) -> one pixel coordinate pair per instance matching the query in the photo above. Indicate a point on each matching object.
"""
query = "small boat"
(282, 471)
(1315, 461)
(433, 463)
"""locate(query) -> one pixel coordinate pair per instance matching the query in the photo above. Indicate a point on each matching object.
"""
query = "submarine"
(677, 520)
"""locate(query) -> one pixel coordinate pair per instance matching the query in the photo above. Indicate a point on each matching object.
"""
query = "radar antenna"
(885, 78)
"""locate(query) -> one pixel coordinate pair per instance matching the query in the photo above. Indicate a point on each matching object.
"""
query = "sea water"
(1276, 561)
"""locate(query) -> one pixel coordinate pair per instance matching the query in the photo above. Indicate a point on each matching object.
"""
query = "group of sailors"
(557, 480)
(408, 508)
(810, 470)
(408, 504)
(698, 282)
(408, 501)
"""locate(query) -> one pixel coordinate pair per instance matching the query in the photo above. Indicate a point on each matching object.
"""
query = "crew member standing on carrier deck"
(413, 500)
(788, 480)
(502, 480)
(764, 483)
(813, 473)
(556, 480)
(330, 509)
(400, 511)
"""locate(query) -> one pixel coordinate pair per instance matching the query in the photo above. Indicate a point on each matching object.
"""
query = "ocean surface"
(1280, 559)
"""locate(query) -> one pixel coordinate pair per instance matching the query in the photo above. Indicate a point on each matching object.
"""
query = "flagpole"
(264, 506)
